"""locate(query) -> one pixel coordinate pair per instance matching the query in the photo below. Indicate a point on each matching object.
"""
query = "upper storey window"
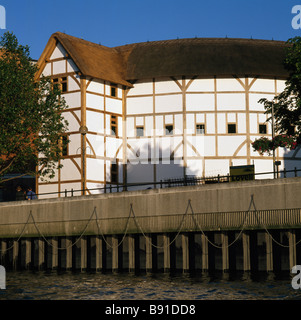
(62, 83)
(113, 90)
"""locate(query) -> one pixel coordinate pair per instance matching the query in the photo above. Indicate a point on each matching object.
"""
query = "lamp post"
(83, 131)
(273, 135)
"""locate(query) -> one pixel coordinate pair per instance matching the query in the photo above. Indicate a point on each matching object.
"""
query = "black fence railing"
(169, 183)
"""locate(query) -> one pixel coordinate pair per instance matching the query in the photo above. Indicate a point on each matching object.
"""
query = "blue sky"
(118, 22)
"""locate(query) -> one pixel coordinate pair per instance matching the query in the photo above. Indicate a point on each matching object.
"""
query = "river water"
(41, 285)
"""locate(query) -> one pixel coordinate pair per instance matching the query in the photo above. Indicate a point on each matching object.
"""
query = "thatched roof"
(204, 57)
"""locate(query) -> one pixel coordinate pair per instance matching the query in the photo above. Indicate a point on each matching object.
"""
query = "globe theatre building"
(151, 111)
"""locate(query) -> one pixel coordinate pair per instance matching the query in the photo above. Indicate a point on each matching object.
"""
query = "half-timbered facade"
(165, 109)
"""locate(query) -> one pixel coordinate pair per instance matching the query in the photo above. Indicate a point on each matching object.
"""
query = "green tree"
(285, 108)
(31, 123)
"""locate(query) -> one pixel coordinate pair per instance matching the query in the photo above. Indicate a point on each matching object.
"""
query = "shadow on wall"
(145, 164)
(291, 164)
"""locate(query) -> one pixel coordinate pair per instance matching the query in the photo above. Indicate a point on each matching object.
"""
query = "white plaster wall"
(72, 84)
(112, 145)
(210, 123)
(142, 87)
(253, 123)
(113, 105)
(159, 126)
(74, 144)
(95, 188)
(71, 66)
(95, 169)
(221, 123)
(130, 125)
(203, 85)
(139, 105)
(69, 170)
(280, 85)
(95, 121)
(59, 67)
(95, 101)
(194, 168)
(166, 85)
(178, 125)
(68, 186)
(231, 101)
(263, 85)
(227, 145)
(168, 103)
(47, 70)
(148, 128)
(73, 124)
(229, 85)
(263, 165)
(199, 101)
(213, 167)
(73, 100)
(209, 146)
(97, 143)
(96, 86)
(255, 97)
(58, 52)
(48, 188)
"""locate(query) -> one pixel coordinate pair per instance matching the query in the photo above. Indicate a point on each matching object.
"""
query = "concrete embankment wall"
(214, 207)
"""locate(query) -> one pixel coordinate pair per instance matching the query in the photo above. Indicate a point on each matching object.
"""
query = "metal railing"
(169, 183)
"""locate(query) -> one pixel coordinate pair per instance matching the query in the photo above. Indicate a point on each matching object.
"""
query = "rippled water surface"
(98, 286)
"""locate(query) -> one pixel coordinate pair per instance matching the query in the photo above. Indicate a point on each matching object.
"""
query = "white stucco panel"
(169, 103)
(255, 97)
(137, 105)
(114, 105)
(227, 146)
(96, 86)
(263, 85)
(69, 170)
(72, 121)
(141, 88)
(166, 85)
(59, 67)
(47, 70)
(94, 101)
(58, 52)
(199, 102)
(231, 101)
(95, 169)
(71, 66)
(201, 85)
(72, 84)
(73, 100)
(229, 85)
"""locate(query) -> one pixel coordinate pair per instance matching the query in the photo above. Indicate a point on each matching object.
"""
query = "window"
(62, 83)
(169, 129)
(140, 131)
(262, 128)
(114, 173)
(113, 90)
(231, 127)
(200, 129)
(114, 128)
